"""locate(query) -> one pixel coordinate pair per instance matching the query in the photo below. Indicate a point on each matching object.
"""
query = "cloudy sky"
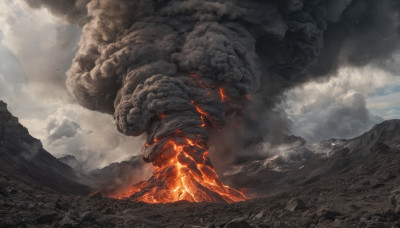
(37, 48)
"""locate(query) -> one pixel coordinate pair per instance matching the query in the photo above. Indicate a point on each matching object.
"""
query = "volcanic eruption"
(178, 70)
(173, 78)
(177, 140)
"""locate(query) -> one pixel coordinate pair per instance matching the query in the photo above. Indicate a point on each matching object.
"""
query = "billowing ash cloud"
(162, 70)
(168, 67)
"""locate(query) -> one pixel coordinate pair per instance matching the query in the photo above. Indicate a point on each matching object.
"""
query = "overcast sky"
(37, 48)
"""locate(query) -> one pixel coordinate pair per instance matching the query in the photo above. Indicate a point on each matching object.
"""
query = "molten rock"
(184, 173)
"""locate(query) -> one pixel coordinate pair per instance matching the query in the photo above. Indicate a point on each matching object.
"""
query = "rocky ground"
(366, 194)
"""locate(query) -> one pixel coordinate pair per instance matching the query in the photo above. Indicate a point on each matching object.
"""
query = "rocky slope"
(119, 176)
(23, 157)
(299, 163)
(71, 161)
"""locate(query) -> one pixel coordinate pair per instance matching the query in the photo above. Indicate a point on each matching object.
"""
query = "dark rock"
(3, 190)
(237, 223)
(395, 197)
(295, 204)
(337, 223)
(46, 218)
(108, 211)
(379, 185)
(328, 213)
(97, 196)
(67, 222)
(88, 216)
(63, 205)
(258, 216)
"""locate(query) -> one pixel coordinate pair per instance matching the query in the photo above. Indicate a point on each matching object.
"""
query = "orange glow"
(196, 78)
(200, 111)
(222, 94)
(161, 115)
(185, 176)
(202, 120)
(202, 114)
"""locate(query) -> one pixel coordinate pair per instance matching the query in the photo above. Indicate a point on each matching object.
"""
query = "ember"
(222, 94)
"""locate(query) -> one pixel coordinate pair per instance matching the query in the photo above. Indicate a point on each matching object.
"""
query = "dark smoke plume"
(162, 67)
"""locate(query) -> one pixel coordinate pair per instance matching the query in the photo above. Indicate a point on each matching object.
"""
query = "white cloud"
(91, 137)
(338, 108)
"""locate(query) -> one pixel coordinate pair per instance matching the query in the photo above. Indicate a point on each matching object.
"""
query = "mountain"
(23, 158)
(119, 176)
(293, 164)
(71, 161)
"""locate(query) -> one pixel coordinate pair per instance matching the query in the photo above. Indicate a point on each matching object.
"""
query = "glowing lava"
(222, 94)
(185, 176)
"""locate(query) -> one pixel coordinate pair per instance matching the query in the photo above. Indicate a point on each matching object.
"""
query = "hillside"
(23, 158)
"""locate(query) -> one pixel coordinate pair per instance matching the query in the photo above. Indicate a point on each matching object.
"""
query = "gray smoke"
(168, 59)
(73, 11)
(322, 36)
(158, 66)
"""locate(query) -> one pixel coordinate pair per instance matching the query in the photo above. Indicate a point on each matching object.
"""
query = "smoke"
(164, 65)
(168, 67)
(338, 34)
(118, 177)
(73, 11)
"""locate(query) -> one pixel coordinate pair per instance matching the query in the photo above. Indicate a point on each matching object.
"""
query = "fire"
(186, 175)
(184, 170)
(222, 94)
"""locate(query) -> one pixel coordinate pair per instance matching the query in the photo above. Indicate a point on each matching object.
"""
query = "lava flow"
(183, 168)
(186, 175)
